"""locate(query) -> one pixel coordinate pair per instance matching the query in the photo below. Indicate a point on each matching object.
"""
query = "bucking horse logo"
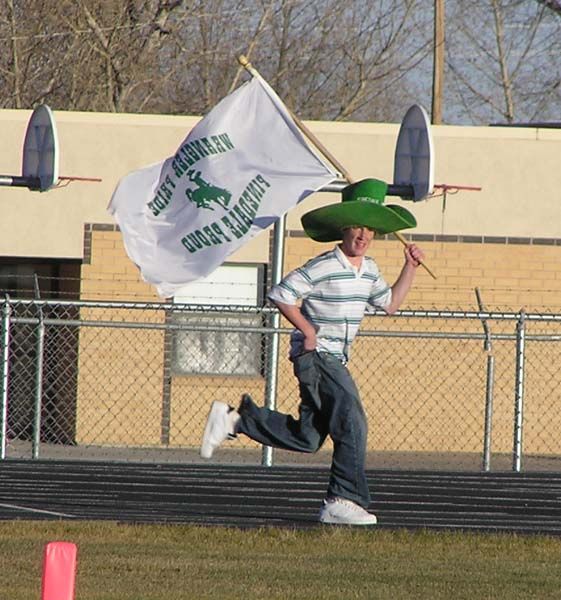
(205, 193)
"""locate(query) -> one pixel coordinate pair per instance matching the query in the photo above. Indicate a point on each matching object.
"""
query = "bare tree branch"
(326, 58)
(554, 5)
(505, 77)
(501, 49)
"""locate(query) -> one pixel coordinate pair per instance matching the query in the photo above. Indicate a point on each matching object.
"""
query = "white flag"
(242, 167)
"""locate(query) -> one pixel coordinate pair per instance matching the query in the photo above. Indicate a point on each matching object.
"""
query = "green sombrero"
(362, 205)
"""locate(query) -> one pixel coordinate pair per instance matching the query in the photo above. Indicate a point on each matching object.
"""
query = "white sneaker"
(340, 511)
(220, 426)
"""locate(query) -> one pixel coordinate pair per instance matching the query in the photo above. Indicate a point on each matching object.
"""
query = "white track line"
(37, 510)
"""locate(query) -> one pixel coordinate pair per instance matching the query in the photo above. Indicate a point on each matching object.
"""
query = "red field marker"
(59, 571)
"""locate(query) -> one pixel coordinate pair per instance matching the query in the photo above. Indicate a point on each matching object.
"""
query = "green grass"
(172, 562)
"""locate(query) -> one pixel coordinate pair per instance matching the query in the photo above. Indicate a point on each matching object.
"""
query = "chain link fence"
(133, 382)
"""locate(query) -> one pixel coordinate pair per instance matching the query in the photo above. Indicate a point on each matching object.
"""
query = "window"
(46, 279)
(39, 278)
(220, 350)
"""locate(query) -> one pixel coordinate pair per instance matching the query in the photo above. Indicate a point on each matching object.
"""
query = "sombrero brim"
(326, 224)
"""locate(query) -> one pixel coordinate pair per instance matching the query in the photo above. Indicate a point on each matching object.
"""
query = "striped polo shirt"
(335, 295)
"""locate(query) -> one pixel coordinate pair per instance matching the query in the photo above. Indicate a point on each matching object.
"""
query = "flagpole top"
(244, 62)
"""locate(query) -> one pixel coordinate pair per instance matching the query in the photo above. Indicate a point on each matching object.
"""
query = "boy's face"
(356, 240)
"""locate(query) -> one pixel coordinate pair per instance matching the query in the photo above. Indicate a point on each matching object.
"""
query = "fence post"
(519, 393)
(5, 370)
(279, 231)
(38, 383)
(488, 412)
(488, 428)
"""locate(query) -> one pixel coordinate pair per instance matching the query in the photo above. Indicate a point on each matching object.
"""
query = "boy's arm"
(413, 258)
(293, 314)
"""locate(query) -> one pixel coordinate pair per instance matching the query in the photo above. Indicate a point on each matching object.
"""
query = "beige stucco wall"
(517, 169)
(94, 145)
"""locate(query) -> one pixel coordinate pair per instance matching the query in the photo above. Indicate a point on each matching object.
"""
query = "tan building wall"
(509, 276)
(515, 167)
(504, 240)
(116, 404)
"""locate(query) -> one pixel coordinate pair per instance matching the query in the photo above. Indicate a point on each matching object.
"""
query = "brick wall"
(510, 273)
(107, 271)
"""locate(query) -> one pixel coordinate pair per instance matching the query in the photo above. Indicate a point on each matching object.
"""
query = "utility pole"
(438, 62)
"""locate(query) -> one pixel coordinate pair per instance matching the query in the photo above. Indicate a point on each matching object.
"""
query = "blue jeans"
(329, 405)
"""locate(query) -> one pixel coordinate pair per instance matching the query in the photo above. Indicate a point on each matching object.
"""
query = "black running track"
(254, 496)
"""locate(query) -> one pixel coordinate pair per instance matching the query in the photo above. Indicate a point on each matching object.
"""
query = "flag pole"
(244, 62)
